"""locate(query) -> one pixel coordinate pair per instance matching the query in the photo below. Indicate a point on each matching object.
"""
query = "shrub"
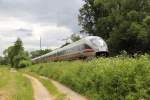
(118, 78)
(24, 63)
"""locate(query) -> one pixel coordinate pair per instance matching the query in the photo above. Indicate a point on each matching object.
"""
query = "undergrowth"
(114, 78)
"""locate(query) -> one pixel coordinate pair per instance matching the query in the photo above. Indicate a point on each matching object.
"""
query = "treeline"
(17, 57)
(37, 53)
(124, 24)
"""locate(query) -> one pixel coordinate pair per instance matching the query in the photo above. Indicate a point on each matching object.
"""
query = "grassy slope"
(13, 86)
(119, 78)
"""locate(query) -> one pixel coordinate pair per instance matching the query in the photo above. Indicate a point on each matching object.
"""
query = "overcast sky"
(53, 20)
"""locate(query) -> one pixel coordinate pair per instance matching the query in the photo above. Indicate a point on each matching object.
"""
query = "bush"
(24, 63)
(118, 78)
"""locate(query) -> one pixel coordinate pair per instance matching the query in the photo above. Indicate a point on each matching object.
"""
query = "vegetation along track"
(114, 78)
(15, 86)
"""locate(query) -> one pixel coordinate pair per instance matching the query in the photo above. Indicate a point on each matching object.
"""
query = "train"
(90, 46)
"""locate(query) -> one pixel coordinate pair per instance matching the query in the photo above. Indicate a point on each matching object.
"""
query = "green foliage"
(125, 24)
(24, 63)
(15, 54)
(118, 78)
(75, 37)
(23, 88)
(21, 59)
(3, 61)
(39, 52)
(147, 20)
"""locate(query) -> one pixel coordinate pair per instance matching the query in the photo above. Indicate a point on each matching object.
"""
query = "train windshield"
(98, 42)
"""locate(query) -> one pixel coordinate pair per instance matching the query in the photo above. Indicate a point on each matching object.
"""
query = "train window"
(64, 51)
(73, 49)
(81, 47)
(54, 54)
(69, 50)
(78, 48)
(87, 46)
(60, 53)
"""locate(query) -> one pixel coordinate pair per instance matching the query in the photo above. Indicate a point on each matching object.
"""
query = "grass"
(114, 78)
(13, 86)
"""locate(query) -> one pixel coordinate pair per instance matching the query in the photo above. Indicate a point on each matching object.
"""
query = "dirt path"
(70, 94)
(40, 92)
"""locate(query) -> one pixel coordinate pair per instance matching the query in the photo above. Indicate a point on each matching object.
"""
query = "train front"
(99, 45)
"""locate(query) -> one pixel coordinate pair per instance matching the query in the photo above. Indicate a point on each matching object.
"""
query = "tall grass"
(13, 86)
(23, 89)
(116, 78)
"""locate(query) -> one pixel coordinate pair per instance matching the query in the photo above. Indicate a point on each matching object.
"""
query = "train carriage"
(87, 47)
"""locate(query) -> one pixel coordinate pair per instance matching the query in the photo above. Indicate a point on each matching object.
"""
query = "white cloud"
(52, 20)
(30, 34)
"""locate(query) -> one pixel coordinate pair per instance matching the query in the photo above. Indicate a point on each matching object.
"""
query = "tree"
(9, 54)
(124, 24)
(3, 61)
(15, 54)
(75, 37)
(88, 17)
(37, 53)
(21, 56)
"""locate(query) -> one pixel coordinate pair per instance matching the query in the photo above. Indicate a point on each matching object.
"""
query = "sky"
(52, 20)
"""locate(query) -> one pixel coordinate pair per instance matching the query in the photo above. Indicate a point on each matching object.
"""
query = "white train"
(87, 47)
